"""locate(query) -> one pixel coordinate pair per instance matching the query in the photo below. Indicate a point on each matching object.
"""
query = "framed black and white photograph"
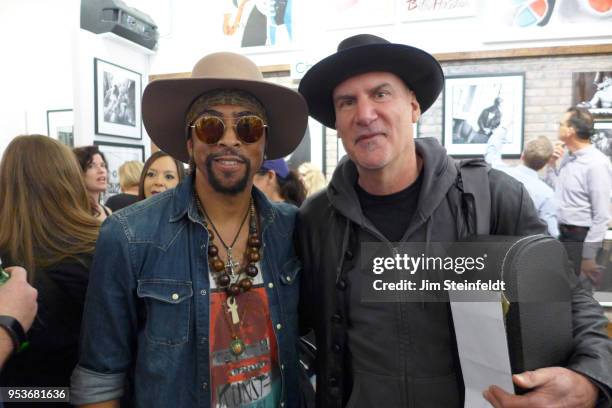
(116, 154)
(602, 137)
(60, 125)
(117, 100)
(593, 90)
(477, 106)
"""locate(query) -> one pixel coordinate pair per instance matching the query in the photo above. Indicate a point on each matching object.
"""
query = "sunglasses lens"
(209, 129)
(250, 129)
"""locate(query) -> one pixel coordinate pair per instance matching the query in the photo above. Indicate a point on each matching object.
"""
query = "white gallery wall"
(47, 60)
(36, 73)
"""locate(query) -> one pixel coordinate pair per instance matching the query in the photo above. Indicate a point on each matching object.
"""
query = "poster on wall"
(358, 13)
(116, 154)
(516, 20)
(593, 91)
(412, 10)
(117, 100)
(258, 23)
(60, 125)
(477, 106)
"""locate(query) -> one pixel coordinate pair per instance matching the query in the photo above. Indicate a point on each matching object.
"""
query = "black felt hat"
(368, 53)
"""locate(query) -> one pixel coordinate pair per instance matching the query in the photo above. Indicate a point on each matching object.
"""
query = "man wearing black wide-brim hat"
(192, 300)
(395, 188)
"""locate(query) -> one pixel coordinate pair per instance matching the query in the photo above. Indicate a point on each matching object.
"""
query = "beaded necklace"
(234, 281)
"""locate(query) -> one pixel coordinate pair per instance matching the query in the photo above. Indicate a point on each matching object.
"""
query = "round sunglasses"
(210, 129)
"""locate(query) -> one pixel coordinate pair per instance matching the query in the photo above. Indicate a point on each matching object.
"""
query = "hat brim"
(165, 103)
(419, 70)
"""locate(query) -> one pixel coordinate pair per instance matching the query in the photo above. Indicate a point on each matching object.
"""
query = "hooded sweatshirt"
(393, 353)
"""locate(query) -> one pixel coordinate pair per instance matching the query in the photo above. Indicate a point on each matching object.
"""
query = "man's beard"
(216, 183)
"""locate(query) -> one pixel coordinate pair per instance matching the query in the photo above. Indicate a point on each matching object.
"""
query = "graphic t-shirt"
(251, 379)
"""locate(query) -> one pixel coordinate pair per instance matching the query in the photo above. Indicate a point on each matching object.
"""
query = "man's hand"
(592, 271)
(550, 387)
(558, 152)
(18, 298)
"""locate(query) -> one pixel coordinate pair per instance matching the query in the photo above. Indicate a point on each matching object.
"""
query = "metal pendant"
(237, 347)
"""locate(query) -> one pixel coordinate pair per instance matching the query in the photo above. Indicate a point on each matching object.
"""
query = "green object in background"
(3, 275)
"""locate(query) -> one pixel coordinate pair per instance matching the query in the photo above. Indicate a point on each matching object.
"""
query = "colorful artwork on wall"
(259, 23)
(515, 20)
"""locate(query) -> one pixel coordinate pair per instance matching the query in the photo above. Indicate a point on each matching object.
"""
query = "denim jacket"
(147, 307)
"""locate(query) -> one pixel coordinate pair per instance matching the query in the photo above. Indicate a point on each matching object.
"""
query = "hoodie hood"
(439, 174)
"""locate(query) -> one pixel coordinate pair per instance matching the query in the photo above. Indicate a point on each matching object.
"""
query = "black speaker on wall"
(114, 16)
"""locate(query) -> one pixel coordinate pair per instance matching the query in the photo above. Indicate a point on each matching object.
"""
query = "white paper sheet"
(482, 344)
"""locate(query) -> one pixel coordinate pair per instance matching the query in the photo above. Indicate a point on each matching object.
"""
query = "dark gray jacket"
(404, 354)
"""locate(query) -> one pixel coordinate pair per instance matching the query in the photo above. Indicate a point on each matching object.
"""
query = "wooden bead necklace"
(225, 273)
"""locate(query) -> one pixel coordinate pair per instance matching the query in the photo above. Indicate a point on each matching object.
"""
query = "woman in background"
(160, 173)
(279, 183)
(129, 176)
(95, 174)
(312, 177)
(47, 228)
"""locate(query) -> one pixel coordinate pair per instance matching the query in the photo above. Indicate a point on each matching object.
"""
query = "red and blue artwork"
(533, 12)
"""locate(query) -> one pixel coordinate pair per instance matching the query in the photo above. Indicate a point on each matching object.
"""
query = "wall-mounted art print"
(602, 138)
(250, 23)
(117, 100)
(414, 10)
(516, 20)
(116, 154)
(593, 90)
(60, 125)
(477, 106)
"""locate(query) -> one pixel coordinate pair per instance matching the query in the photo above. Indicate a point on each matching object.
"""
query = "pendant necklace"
(237, 346)
(234, 281)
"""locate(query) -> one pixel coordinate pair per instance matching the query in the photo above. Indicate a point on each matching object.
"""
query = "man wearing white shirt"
(536, 154)
(582, 183)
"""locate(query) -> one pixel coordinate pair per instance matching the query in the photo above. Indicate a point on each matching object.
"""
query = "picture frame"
(116, 154)
(475, 106)
(117, 93)
(602, 137)
(60, 125)
(593, 91)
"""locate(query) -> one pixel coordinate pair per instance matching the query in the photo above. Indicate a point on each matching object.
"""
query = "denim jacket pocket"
(168, 304)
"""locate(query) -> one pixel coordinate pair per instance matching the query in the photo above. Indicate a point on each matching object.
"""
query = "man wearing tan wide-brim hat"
(193, 292)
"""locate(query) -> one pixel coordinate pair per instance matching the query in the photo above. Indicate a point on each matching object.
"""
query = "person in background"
(488, 121)
(48, 229)
(129, 177)
(161, 172)
(312, 177)
(582, 182)
(17, 307)
(534, 157)
(95, 174)
(279, 183)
